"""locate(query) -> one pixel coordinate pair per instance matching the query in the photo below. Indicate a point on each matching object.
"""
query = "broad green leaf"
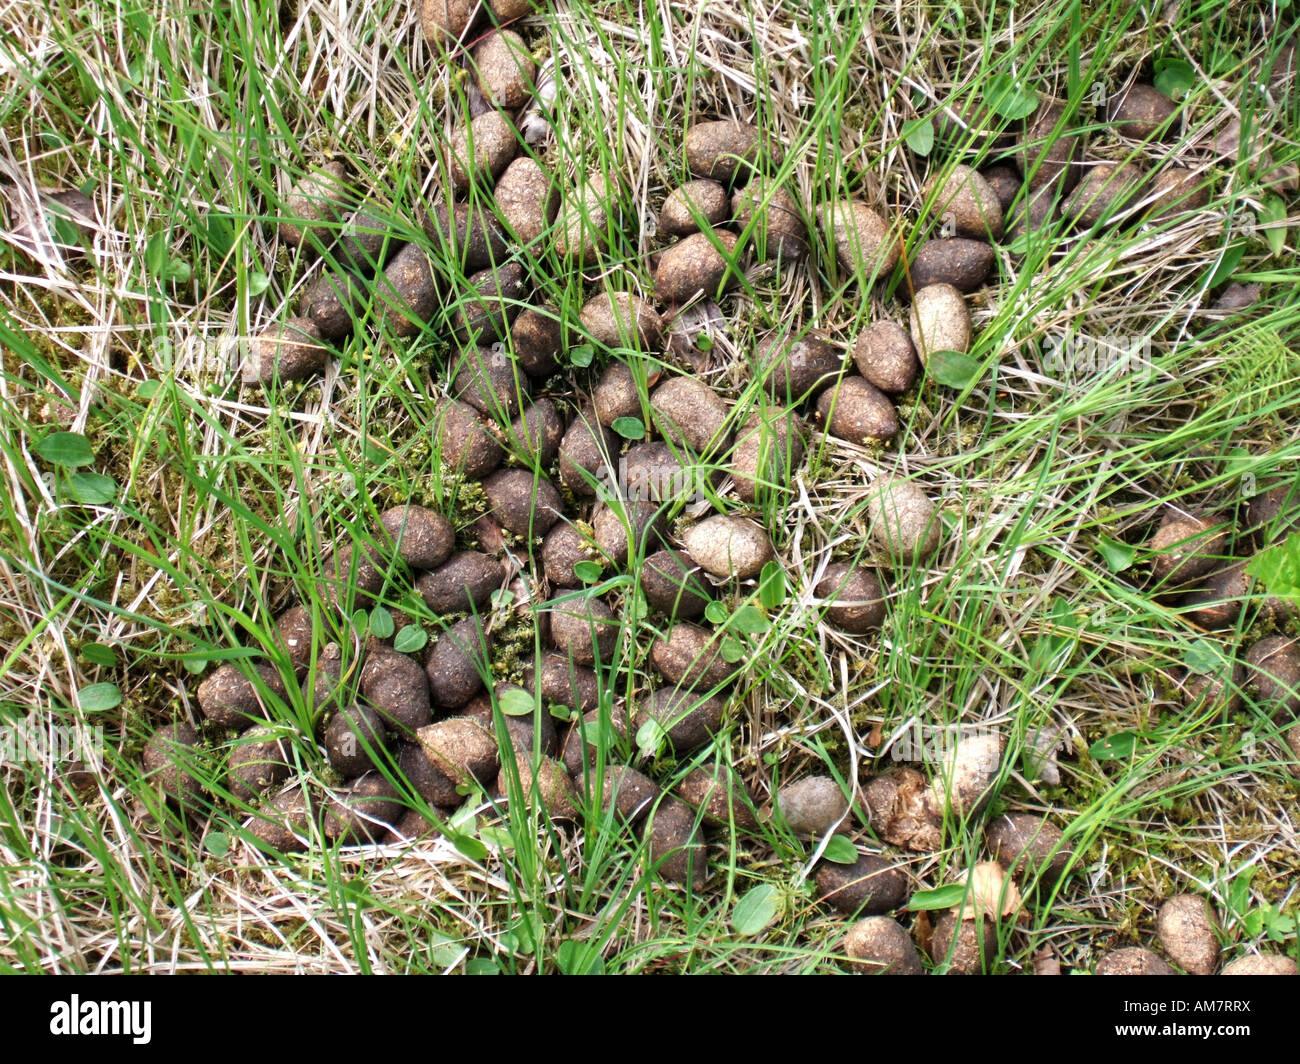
(91, 489)
(524, 934)
(1118, 556)
(381, 623)
(146, 390)
(221, 235)
(944, 897)
(1021, 243)
(918, 135)
(579, 958)
(1281, 926)
(498, 835)
(99, 698)
(155, 255)
(1239, 892)
(258, 283)
(635, 607)
(582, 356)
(650, 738)
(1227, 265)
(1205, 657)
(1174, 78)
(589, 572)
(445, 950)
(99, 654)
(749, 620)
(1009, 98)
(716, 612)
(953, 369)
(159, 263)
(840, 850)
(771, 586)
(516, 703)
(482, 966)
(756, 910)
(464, 821)
(410, 639)
(1117, 747)
(1278, 568)
(65, 449)
(1062, 615)
(732, 650)
(217, 843)
(63, 229)
(1238, 461)
(1274, 211)
(630, 428)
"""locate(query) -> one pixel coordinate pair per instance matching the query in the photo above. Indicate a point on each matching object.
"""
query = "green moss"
(65, 317)
(467, 500)
(514, 646)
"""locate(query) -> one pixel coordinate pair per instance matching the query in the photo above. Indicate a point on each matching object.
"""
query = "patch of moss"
(514, 646)
(468, 503)
(61, 314)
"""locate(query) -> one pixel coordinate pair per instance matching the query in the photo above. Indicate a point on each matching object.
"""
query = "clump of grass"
(227, 501)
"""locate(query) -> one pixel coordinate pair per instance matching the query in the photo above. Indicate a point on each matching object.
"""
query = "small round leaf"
(381, 623)
(410, 639)
(630, 428)
(515, 703)
(840, 850)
